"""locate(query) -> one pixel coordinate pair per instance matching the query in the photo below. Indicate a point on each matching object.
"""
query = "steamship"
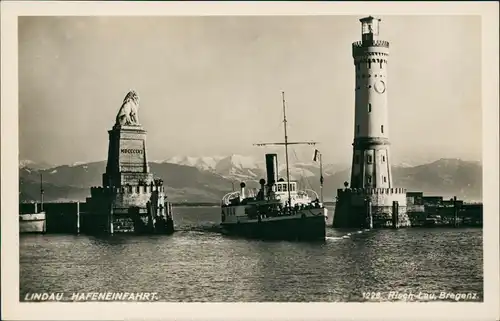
(278, 210)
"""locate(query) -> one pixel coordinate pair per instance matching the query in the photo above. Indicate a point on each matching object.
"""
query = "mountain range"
(207, 179)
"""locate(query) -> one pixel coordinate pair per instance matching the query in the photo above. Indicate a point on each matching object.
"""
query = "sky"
(212, 85)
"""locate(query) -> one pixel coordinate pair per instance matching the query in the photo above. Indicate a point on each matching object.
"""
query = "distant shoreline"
(210, 204)
(176, 204)
(195, 204)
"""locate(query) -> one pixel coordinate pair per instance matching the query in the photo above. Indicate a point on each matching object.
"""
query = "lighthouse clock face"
(380, 87)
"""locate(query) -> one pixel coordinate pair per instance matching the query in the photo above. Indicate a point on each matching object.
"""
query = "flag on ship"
(316, 154)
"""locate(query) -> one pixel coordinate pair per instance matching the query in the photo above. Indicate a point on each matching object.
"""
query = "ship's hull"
(32, 223)
(290, 228)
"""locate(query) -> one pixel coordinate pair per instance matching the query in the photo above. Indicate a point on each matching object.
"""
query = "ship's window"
(357, 129)
(356, 159)
(369, 108)
(279, 187)
(382, 128)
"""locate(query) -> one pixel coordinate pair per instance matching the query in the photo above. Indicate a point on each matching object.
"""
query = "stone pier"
(130, 198)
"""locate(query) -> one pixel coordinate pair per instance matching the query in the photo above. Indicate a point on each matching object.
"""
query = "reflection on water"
(199, 264)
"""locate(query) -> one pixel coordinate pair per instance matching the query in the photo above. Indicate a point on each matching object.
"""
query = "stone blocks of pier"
(353, 208)
(130, 199)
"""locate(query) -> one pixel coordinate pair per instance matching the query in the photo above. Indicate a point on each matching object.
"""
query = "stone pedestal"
(130, 198)
(127, 159)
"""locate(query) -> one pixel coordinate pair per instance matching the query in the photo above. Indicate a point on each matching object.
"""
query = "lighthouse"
(371, 160)
(371, 200)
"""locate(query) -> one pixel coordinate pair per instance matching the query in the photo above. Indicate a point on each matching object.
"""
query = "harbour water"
(197, 263)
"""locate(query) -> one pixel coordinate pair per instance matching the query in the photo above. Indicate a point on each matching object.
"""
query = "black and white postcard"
(191, 160)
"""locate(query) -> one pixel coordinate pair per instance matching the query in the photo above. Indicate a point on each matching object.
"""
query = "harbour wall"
(64, 217)
(371, 208)
(78, 217)
(353, 208)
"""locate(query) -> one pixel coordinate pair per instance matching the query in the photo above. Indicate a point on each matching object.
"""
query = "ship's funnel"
(242, 190)
(272, 168)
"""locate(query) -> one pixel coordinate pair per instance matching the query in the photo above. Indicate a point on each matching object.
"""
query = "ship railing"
(312, 191)
(227, 198)
(289, 211)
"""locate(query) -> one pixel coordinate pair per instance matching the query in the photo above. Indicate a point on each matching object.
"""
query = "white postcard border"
(12, 309)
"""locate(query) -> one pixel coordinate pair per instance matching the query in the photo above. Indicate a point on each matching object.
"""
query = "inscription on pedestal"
(131, 151)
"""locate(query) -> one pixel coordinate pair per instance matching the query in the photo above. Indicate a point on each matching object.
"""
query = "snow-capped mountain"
(27, 163)
(202, 163)
(445, 177)
(242, 167)
(238, 167)
(233, 166)
(412, 161)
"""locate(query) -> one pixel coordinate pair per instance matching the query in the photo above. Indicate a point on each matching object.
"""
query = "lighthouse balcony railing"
(370, 43)
(365, 191)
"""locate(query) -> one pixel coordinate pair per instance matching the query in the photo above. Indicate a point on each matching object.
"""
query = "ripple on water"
(197, 263)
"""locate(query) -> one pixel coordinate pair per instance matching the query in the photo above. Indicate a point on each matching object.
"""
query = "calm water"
(199, 264)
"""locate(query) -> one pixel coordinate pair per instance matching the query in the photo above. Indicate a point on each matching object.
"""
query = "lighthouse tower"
(370, 163)
(371, 200)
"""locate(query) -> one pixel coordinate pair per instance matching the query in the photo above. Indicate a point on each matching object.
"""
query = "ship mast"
(286, 143)
(321, 177)
(286, 150)
(41, 192)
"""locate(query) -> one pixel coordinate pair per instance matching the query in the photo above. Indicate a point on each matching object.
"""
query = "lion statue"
(128, 113)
